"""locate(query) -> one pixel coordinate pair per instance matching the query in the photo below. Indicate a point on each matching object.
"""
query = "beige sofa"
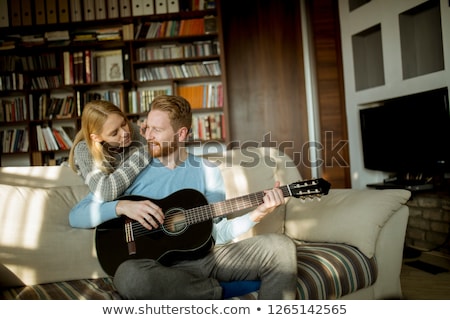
(350, 241)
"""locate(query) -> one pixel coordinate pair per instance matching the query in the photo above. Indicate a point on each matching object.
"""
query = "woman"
(108, 151)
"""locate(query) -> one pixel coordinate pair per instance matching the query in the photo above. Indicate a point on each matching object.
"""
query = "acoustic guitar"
(186, 231)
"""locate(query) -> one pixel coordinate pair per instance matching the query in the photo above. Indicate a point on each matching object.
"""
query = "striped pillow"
(330, 271)
(89, 289)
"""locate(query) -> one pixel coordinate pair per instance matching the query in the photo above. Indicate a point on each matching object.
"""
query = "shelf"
(421, 40)
(355, 4)
(368, 58)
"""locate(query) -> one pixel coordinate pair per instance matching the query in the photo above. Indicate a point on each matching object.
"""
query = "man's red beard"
(157, 150)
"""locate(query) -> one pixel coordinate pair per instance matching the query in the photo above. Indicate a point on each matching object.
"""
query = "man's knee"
(128, 278)
(279, 242)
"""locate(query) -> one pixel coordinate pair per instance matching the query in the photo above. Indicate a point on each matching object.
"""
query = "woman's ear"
(94, 137)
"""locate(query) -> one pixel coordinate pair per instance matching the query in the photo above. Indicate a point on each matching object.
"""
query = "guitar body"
(167, 244)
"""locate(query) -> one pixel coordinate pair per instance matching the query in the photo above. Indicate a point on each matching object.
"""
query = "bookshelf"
(53, 63)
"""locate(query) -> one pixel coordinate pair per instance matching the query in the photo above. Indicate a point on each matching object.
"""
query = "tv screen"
(410, 134)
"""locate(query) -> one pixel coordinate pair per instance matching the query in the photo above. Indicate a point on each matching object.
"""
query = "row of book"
(90, 66)
(45, 107)
(7, 63)
(101, 34)
(209, 95)
(43, 61)
(13, 109)
(178, 51)
(53, 138)
(29, 12)
(14, 140)
(139, 100)
(187, 70)
(10, 82)
(175, 28)
(46, 82)
(208, 127)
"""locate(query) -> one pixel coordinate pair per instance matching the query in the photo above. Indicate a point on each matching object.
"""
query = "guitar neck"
(226, 207)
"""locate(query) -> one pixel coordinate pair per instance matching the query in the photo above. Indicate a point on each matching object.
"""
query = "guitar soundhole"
(175, 221)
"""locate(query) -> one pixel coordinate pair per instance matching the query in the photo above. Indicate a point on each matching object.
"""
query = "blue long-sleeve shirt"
(157, 182)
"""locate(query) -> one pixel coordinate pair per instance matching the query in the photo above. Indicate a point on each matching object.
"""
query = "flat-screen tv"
(410, 134)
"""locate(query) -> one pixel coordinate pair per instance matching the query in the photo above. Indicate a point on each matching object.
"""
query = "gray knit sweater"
(127, 164)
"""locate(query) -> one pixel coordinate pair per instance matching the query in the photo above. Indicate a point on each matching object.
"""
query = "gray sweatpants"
(270, 258)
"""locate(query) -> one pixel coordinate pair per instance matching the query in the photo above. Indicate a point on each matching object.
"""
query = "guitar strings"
(202, 213)
(206, 212)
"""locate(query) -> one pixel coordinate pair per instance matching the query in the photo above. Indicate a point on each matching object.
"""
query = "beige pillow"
(37, 244)
(350, 216)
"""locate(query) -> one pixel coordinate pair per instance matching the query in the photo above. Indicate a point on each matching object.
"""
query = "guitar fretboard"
(226, 207)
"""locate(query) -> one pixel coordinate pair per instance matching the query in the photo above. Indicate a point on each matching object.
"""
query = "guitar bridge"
(129, 237)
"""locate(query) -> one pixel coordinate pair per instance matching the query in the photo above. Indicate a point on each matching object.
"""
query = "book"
(68, 141)
(27, 17)
(128, 31)
(59, 140)
(52, 12)
(161, 6)
(49, 139)
(137, 8)
(76, 14)
(173, 6)
(89, 10)
(108, 65)
(125, 8)
(68, 70)
(40, 138)
(148, 7)
(113, 9)
(88, 66)
(63, 11)
(114, 67)
(16, 16)
(57, 35)
(100, 9)
(4, 17)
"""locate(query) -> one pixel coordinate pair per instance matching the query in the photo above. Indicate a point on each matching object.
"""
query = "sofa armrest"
(389, 254)
(350, 216)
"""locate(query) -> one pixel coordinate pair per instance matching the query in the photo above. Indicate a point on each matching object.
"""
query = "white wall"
(385, 12)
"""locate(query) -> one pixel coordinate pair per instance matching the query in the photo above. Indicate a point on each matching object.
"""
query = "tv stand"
(408, 181)
(404, 185)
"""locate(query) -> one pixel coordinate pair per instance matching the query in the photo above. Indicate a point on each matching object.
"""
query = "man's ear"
(94, 137)
(183, 134)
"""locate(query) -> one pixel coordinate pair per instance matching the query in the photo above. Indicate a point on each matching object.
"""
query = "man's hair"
(178, 109)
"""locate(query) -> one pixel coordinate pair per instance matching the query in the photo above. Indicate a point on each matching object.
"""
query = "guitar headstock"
(309, 188)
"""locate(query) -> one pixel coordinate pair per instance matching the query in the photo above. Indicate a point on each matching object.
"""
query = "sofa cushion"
(350, 216)
(86, 289)
(37, 244)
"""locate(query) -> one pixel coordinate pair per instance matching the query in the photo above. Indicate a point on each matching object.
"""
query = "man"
(269, 258)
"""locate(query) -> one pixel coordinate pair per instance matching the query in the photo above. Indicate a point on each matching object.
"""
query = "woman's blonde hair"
(93, 118)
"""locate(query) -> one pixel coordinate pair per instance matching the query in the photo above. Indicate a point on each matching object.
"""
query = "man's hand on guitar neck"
(145, 212)
(272, 199)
